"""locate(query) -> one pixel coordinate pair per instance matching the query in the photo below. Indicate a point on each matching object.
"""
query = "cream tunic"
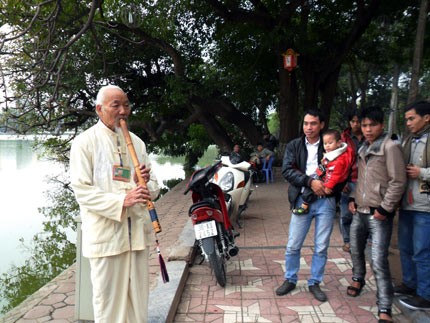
(104, 223)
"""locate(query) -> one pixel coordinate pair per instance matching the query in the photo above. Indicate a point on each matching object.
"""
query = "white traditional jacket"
(104, 220)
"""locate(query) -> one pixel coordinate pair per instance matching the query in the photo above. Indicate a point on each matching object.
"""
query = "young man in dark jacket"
(299, 166)
(380, 185)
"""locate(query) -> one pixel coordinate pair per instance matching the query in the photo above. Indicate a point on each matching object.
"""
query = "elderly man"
(116, 227)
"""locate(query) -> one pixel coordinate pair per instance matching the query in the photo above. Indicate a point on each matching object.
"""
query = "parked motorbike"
(212, 227)
(236, 181)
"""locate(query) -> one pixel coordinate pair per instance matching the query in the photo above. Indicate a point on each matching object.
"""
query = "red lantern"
(290, 59)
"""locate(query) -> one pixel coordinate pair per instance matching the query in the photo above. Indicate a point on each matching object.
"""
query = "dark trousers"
(363, 225)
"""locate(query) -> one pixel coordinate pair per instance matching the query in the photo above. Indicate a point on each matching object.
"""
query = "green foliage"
(169, 185)
(165, 54)
(211, 154)
(273, 123)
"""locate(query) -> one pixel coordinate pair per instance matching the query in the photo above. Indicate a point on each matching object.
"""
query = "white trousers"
(121, 287)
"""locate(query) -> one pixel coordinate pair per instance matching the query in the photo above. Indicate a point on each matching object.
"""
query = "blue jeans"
(323, 210)
(414, 246)
(362, 226)
(345, 219)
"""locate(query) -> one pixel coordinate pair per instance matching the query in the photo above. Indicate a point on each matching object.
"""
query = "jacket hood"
(332, 155)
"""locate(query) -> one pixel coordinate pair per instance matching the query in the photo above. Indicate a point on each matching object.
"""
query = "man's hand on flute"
(138, 194)
(145, 172)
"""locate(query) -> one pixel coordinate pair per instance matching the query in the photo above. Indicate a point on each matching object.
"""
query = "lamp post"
(290, 60)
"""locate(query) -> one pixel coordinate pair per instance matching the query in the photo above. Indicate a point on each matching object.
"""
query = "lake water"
(23, 178)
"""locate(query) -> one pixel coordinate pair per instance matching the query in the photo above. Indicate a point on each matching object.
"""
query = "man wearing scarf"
(414, 220)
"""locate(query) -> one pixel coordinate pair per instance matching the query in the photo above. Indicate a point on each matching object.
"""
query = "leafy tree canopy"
(198, 72)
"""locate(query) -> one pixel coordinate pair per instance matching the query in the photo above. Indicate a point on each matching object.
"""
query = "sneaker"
(300, 211)
(416, 303)
(402, 289)
(318, 293)
(285, 288)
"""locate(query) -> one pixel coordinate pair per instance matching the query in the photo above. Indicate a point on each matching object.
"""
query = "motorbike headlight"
(227, 182)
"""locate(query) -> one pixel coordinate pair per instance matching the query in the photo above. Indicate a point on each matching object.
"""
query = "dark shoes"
(285, 288)
(416, 303)
(318, 293)
(387, 313)
(402, 289)
(355, 291)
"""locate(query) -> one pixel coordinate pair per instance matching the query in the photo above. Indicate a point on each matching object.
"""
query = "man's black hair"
(352, 114)
(373, 113)
(316, 113)
(421, 107)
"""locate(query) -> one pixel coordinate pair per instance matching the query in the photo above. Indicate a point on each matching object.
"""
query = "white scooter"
(235, 181)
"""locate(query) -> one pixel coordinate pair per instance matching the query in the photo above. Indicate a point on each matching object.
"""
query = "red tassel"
(163, 267)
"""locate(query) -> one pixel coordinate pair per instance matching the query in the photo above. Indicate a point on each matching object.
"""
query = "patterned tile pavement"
(258, 270)
(252, 276)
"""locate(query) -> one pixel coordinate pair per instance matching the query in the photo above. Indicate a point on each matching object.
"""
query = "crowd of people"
(373, 177)
(370, 174)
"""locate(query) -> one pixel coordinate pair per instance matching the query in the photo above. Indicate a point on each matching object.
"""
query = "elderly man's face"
(115, 106)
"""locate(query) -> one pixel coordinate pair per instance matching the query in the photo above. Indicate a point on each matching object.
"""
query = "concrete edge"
(164, 299)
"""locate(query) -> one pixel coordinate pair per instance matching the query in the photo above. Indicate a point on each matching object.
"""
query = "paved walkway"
(253, 275)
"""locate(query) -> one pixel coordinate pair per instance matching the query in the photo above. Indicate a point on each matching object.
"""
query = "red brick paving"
(258, 270)
(252, 276)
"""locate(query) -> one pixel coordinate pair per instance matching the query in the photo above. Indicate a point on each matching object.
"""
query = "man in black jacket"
(300, 162)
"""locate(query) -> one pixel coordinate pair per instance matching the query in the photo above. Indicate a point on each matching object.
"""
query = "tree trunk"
(215, 130)
(288, 109)
(392, 120)
(209, 111)
(418, 52)
(328, 91)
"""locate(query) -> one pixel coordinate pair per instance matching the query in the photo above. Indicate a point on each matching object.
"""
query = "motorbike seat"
(200, 204)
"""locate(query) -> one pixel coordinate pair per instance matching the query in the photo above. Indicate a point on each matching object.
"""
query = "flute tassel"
(163, 267)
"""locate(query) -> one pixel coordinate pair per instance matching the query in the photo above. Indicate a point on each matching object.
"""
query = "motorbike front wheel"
(217, 262)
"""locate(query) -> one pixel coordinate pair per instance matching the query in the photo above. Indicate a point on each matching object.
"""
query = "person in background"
(270, 141)
(380, 185)
(414, 219)
(354, 138)
(298, 168)
(257, 159)
(333, 170)
(261, 154)
(116, 226)
(235, 156)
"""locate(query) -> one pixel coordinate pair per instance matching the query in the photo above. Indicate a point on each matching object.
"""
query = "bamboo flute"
(151, 208)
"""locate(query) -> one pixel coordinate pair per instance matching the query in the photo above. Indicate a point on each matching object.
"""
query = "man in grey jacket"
(380, 186)
(414, 219)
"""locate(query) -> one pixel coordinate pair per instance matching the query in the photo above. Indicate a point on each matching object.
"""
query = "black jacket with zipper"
(294, 167)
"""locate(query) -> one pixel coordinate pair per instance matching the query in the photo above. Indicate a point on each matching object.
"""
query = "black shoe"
(387, 312)
(318, 293)
(285, 288)
(416, 303)
(402, 289)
